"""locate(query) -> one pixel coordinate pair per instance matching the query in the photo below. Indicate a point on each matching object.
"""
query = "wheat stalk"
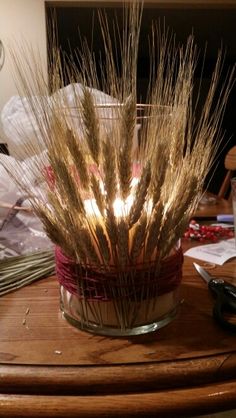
(175, 151)
(111, 229)
(169, 143)
(88, 246)
(19, 271)
(140, 196)
(78, 159)
(123, 242)
(109, 169)
(153, 230)
(91, 124)
(95, 187)
(127, 120)
(103, 243)
(138, 238)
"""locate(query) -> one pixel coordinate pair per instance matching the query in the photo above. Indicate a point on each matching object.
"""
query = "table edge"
(117, 378)
(200, 400)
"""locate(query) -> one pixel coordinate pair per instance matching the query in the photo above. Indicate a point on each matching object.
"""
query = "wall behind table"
(19, 19)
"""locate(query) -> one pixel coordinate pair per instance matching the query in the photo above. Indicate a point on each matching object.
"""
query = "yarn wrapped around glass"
(136, 299)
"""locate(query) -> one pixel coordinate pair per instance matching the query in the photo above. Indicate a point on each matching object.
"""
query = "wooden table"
(51, 369)
(221, 206)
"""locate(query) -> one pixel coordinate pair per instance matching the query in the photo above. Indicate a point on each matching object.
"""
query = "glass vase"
(136, 301)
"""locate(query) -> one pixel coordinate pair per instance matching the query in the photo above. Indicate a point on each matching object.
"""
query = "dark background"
(216, 27)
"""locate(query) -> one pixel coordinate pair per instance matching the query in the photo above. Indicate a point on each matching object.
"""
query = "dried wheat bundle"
(21, 270)
(105, 199)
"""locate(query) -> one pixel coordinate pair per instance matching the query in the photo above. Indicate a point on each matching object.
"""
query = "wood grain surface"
(37, 337)
(49, 368)
(170, 403)
(221, 206)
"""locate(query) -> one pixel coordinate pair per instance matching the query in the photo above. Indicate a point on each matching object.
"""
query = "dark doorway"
(212, 26)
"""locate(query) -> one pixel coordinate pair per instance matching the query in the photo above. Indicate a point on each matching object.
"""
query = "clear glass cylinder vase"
(133, 302)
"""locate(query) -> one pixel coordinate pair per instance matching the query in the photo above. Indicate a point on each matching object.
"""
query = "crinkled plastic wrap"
(21, 232)
(21, 126)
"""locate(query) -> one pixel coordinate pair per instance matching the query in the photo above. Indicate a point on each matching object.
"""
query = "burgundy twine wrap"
(93, 284)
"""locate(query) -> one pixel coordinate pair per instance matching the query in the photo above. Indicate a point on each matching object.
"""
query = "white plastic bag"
(8, 191)
(23, 136)
(21, 232)
(20, 128)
